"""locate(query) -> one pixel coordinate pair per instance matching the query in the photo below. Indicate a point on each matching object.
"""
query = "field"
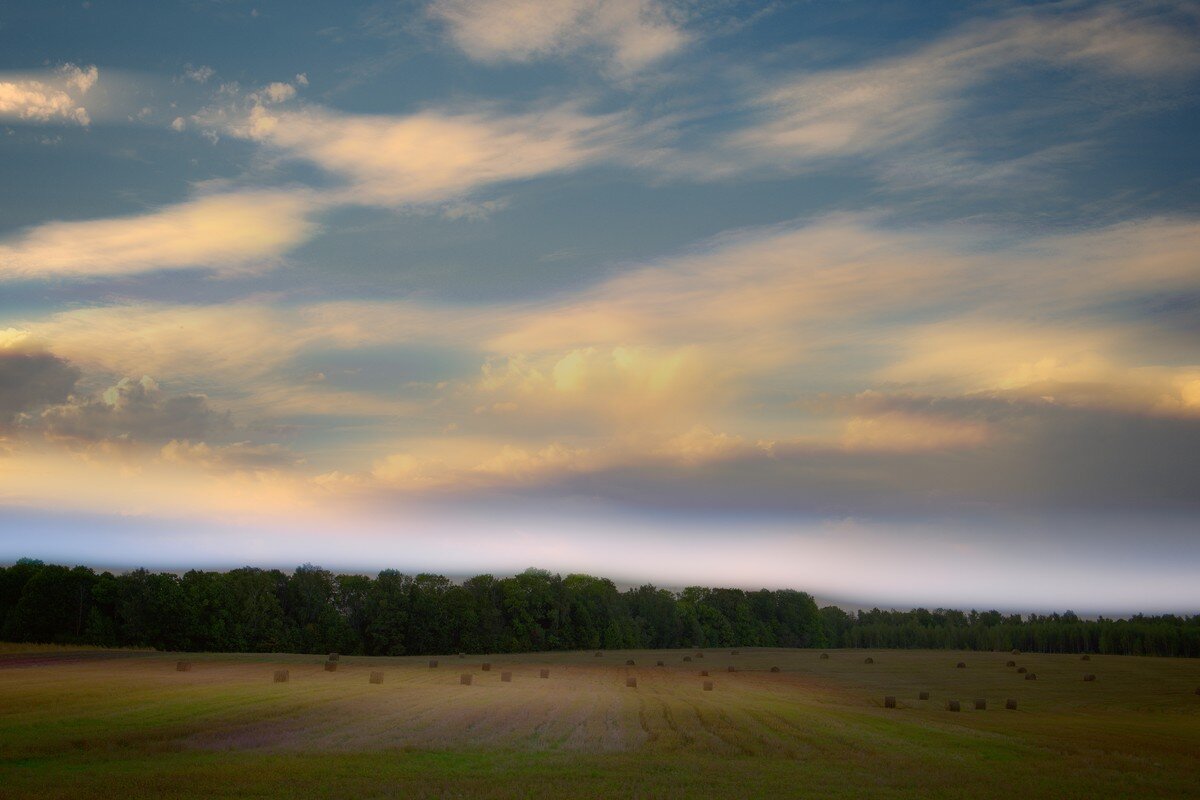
(126, 724)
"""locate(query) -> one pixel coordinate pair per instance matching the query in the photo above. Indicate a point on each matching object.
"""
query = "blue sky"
(730, 292)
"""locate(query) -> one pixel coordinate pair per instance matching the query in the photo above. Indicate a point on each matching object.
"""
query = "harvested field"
(135, 727)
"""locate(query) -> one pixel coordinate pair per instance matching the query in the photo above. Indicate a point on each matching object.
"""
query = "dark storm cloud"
(30, 380)
(134, 409)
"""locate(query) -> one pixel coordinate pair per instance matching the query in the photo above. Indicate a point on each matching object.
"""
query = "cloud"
(225, 457)
(717, 363)
(906, 102)
(199, 74)
(132, 410)
(432, 156)
(632, 34)
(221, 232)
(48, 97)
(30, 377)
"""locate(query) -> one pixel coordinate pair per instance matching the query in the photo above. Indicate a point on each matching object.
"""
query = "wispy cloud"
(432, 156)
(222, 232)
(920, 100)
(629, 34)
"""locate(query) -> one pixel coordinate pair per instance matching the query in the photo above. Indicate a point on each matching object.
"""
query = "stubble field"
(121, 724)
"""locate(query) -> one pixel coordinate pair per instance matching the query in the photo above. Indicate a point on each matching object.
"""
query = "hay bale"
(708, 686)
(1029, 676)
(506, 677)
(433, 663)
(981, 705)
(334, 657)
(464, 680)
(699, 655)
(331, 666)
(889, 701)
(462, 655)
(953, 705)
(183, 666)
(824, 656)
(629, 662)
(774, 669)
(961, 665)
(599, 654)
(923, 696)
(282, 676)
(868, 660)
(659, 664)
(376, 677)
(1085, 657)
(544, 673)
(731, 668)
(1016, 652)
(704, 674)
(1010, 663)
(1021, 670)
(487, 667)
(687, 658)
(631, 682)
(1089, 678)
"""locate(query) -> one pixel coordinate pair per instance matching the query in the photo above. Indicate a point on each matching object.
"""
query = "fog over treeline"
(313, 610)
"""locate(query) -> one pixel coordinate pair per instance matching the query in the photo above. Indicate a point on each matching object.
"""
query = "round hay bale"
(331, 666)
(631, 682)
(1029, 676)
(868, 660)
(376, 677)
(981, 705)
(544, 673)
(889, 701)
(953, 705)
(464, 680)
(731, 668)
(487, 667)
(1010, 663)
(334, 657)
(961, 665)
(774, 669)
(282, 676)
(923, 696)
(1085, 657)
(1021, 670)
(1089, 678)
(462, 655)
(1010, 704)
(659, 664)
(629, 662)
(708, 686)
(824, 656)
(506, 677)
(1016, 652)
(687, 658)
(433, 663)
(183, 666)
(704, 674)
(599, 654)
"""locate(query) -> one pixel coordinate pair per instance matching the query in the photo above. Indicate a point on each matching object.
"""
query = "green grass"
(134, 727)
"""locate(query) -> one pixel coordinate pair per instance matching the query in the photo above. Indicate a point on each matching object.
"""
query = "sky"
(896, 303)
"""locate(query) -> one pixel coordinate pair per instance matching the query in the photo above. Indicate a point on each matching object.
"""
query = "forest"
(313, 610)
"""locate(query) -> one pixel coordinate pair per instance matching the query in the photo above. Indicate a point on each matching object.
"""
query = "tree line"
(313, 610)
